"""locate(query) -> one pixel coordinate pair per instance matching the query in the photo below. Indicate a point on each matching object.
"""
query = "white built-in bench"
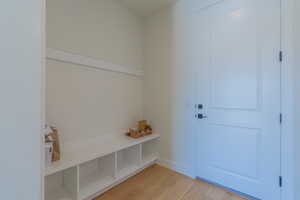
(91, 168)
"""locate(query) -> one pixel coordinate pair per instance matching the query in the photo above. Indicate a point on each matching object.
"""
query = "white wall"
(20, 107)
(168, 93)
(98, 28)
(297, 95)
(85, 103)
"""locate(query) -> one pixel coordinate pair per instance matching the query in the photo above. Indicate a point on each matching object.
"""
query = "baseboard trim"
(228, 189)
(177, 167)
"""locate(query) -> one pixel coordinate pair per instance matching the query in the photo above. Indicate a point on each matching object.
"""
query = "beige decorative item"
(148, 130)
(143, 129)
(133, 133)
(53, 137)
(142, 125)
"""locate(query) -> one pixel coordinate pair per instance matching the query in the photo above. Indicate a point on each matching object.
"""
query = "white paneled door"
(236, 45)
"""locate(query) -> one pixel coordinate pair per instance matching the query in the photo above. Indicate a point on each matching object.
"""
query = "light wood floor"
(159, 183)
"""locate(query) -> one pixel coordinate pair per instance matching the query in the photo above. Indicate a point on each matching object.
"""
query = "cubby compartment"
(83, 174)
(128, 160)
(149, 151)
(96, 175)
(62, 185)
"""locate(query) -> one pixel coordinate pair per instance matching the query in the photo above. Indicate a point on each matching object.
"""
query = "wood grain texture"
(159, 183)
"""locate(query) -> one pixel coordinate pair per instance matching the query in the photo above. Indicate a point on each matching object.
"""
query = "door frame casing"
(43, 93)
(287, 101)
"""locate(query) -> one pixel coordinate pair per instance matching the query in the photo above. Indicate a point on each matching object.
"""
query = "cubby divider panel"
(62, 185)
(150, 151)
(96, 175)
(128, 160)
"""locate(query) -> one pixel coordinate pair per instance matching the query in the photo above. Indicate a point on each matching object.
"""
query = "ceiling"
(146, 7)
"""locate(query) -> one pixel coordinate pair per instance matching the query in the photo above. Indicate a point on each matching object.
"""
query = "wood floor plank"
(159, 183)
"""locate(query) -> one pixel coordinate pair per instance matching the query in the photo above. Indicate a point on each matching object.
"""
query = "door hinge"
(280, 118)
(280, 181)
(280, 56)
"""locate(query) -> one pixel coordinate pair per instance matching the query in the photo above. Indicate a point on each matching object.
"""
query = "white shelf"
(149, 151)
(58, 194)
(95, 175)
(90, 168)
(149, 159)
(106, 184)
(94, 184)
(61, 185)
(126, 171)
(128, 158)
(95, 149)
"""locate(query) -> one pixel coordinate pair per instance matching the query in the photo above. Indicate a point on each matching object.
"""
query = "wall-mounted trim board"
(67, 57)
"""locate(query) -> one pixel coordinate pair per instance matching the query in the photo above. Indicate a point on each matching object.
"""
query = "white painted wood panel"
(128, 159)
(96, 174)
(21, 104)
(62, 185)
(238, 83)
(90, 177)
(90, 62)
(149, 150)
(94, 149)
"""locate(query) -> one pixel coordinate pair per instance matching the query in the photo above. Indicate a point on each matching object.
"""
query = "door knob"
(201, 116)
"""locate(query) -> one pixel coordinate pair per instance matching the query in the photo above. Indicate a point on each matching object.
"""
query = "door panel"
(237, 74)
(239, 158)
(233, 43)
